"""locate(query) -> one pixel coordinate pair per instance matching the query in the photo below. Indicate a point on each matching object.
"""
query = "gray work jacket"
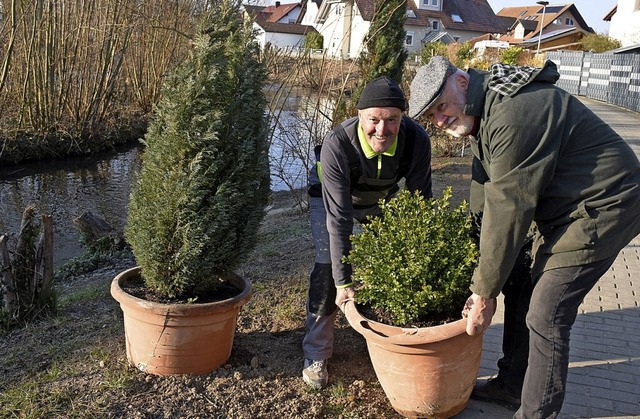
(339, 195)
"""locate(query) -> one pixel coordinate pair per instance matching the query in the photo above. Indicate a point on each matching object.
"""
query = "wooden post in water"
(8, 284)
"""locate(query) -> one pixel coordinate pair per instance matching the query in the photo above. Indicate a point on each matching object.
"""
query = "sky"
(592, 11)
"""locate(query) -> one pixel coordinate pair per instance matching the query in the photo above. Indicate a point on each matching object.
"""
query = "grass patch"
(63, 389)
(83, 295)
(281, 308)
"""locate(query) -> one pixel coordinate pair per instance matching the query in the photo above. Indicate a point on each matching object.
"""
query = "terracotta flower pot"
(164, 339)
(425, 372)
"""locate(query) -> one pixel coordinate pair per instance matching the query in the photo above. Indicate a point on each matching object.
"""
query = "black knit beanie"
(382, 93)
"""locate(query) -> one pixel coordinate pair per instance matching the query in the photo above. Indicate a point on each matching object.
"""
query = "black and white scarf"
(508, 79)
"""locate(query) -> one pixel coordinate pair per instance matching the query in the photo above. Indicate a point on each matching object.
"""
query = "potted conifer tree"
(414, 266)
(198, 202)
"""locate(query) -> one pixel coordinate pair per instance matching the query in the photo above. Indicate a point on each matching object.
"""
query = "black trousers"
(515, 339)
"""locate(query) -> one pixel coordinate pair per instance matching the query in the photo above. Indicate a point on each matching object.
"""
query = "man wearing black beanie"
(360, 162)
(382, 93)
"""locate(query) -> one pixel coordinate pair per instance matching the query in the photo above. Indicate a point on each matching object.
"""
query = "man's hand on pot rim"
(343, 295)
(478, 311)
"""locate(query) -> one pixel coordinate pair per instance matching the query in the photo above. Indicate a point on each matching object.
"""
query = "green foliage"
(464, 54)
(199, 200)
(89, 261)
(417, 260)
(313, 40)
(384, 53)
(599, 43)
(432, 49)
(97, 252)
(510, 55)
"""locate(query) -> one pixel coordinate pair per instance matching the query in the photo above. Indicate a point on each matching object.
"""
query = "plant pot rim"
(177, 309)
(404, 336)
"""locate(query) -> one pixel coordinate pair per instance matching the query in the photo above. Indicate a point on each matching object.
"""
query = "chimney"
(277, 4)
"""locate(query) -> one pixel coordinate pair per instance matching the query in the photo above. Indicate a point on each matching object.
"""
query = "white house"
(552, 27)
(625, 22)
(278, 25)
(341, 25)
(344, 23)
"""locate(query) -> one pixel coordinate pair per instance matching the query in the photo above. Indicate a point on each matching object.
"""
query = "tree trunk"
(10, 298)
(94, 228)
(43, 272)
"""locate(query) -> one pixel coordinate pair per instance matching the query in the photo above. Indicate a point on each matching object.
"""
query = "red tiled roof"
(278, 12)
(476, 15)
(267, 18)
(367, 9)
(608, 16)
(531, 16)
(292, 28)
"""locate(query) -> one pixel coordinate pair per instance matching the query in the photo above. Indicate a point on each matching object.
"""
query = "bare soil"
(74, 364)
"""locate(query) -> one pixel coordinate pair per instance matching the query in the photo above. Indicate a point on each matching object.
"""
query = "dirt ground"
(74, 365)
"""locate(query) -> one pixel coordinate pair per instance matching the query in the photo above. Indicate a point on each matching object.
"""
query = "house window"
(456, 18)
(435, 25)
(409, 39)
(434, 3)
(411, 13)
(569, 22)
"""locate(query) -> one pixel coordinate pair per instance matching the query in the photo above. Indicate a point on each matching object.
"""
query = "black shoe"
(496, 392)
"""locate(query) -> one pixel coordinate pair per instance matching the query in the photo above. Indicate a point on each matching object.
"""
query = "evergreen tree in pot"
(200, 196)
(414, 264)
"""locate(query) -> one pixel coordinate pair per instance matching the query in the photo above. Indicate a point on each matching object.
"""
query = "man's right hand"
(344, 294)
(478, 311)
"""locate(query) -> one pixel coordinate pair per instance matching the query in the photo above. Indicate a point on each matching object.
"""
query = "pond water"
(100, 184)
(64, 189)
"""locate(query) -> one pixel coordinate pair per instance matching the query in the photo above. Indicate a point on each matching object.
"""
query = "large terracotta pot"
(164, 339)
(425, 372)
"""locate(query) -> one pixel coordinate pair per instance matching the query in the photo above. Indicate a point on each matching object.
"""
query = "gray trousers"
(318, 340)
(552, 312)
(321, 309)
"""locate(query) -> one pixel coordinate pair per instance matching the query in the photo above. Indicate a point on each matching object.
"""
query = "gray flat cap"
(428, 84)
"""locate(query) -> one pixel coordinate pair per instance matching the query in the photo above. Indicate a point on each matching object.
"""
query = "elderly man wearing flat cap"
(360, 162)
(543, 158)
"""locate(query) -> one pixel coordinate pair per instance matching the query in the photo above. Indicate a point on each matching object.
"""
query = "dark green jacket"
(549, 160)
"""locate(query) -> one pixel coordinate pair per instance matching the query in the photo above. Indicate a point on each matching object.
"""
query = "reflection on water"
(65, 189)
(101, 183)
(298, 122)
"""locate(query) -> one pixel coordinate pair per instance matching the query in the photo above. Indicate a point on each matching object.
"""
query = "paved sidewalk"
(604, 369)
